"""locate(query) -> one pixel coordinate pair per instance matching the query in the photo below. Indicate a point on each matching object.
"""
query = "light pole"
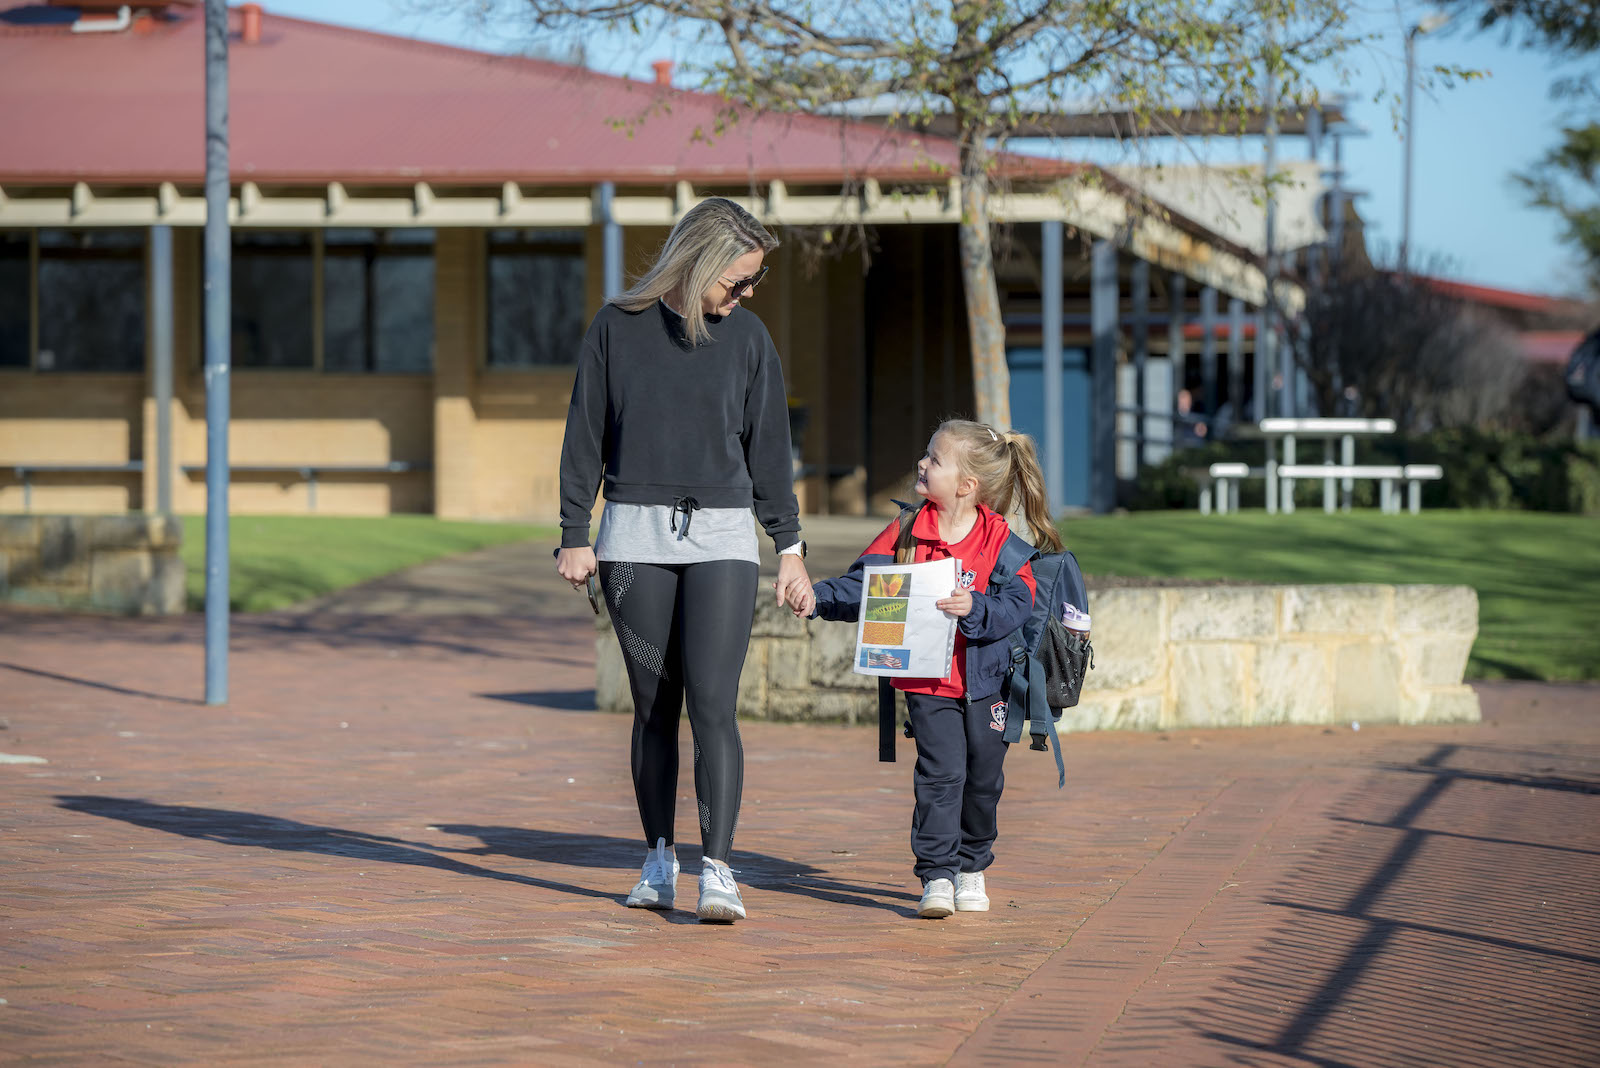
(1428, 24)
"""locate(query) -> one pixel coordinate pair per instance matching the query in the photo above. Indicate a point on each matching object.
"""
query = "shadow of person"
(596, 851)
(253, 829)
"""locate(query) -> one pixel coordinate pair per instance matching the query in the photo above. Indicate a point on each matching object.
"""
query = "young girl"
(972, 477)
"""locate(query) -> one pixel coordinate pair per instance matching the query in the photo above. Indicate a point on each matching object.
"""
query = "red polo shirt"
(977, 553)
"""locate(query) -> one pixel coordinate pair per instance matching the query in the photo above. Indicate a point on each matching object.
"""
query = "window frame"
(573, 240)
(35, 261)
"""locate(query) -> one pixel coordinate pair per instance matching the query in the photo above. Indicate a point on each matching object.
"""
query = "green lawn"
(279, 560)
(1537, 574)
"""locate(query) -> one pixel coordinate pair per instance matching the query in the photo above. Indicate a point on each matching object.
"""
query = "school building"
(421, 234)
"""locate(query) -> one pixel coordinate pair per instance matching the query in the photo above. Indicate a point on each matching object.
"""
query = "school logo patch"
(968, 578)
(997, 716)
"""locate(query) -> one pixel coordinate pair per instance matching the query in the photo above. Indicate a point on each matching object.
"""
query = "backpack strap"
(1023, 688)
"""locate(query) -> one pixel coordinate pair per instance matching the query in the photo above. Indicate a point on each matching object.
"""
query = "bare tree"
(992, 67)
(1378, 343)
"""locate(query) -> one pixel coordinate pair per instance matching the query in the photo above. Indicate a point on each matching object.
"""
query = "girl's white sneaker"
(938, 899)
(971, 895)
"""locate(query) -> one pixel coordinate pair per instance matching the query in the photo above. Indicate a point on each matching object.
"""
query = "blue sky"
(1469, 138)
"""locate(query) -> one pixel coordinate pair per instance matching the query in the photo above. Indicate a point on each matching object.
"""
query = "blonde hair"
(703, 245)
(1006, 466)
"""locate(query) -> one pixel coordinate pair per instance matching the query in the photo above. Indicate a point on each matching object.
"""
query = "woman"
(679, 409)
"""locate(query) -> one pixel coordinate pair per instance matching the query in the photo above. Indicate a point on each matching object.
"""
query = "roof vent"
(663, 69)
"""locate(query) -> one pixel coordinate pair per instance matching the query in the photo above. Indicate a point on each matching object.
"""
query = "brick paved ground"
(406, 841)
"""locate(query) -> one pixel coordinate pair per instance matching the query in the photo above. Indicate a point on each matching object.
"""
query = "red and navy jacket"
(981, 656)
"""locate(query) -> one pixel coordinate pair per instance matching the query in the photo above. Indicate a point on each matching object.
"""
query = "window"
(536, 297)
(15, 344)
(272, 289)
(91, 300)
(377, 306)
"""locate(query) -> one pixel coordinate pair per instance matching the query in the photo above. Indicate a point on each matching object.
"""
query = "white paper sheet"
(901, 632)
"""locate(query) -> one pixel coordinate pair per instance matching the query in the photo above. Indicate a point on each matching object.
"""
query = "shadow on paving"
(259, 831)
(500, 637)
(1358, 949)
(92, 684)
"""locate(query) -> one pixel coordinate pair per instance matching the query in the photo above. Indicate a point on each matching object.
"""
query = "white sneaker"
(719, 894)
(658, 882)
(970, 893)
(938, 899)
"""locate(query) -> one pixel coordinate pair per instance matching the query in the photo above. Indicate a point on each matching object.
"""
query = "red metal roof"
(1509, 299)
(314, 103)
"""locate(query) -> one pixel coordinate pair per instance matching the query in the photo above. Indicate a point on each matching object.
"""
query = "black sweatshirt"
(663, 420)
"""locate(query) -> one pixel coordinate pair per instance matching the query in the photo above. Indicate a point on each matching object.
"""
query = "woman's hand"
(794, 585)
(576, 565)
(958, 604)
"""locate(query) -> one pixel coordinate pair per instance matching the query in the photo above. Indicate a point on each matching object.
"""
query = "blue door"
(1027, 412)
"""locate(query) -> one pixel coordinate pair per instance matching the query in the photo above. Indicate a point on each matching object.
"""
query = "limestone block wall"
(120, 563)
(1167, 658)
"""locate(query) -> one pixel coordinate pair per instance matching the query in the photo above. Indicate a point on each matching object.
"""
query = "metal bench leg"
(1205, 498)
(1347, 457)
(1414, 497)
(1286, 486)
(27, 490)
(1272, 477)
(1233, 495)
(1327, 483)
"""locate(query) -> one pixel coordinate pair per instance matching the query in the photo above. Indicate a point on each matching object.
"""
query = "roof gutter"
(123, 20)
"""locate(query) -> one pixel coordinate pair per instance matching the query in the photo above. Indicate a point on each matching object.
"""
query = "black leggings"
(684, 629)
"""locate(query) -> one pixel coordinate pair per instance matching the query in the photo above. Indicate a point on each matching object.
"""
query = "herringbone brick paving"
(406, 840)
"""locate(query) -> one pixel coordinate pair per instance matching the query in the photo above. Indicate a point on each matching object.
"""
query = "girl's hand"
(576, 565)
(958, 604)
(802, 600)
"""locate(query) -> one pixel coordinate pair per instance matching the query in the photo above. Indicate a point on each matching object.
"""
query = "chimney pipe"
(663, 68)
(250, 24)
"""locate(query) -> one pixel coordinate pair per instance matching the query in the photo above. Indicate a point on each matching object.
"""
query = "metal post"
(161, 336)
(1141, 353)
(1267, 340)
(218, 280)
(1050, 327)
(1103, 375)
(1236, 358)
(1405, 165)
(1177, 302)
(610, 239)
(1208, 352)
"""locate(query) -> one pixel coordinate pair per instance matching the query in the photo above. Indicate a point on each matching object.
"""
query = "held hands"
(576, 565)
(958, 604)
(794, 585)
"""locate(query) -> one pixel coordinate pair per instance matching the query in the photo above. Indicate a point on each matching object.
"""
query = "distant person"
(971, 477)
(679, 409)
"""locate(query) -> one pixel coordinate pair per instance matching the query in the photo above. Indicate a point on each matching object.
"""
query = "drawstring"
(687, 506)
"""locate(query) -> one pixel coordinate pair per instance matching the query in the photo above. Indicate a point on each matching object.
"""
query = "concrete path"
(407, 839)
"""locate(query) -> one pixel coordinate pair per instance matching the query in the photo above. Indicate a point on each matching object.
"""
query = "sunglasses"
(744, 285)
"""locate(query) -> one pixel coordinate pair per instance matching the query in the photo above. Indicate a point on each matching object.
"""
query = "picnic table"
(1280, 490)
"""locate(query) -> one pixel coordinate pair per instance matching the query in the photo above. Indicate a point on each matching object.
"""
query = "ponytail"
(1028, 493)
(1006, 465)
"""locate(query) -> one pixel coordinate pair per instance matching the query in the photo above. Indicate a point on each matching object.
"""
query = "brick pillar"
(458, 340)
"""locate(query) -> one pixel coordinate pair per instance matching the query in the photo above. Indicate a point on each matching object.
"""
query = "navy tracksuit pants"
(957, 782)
